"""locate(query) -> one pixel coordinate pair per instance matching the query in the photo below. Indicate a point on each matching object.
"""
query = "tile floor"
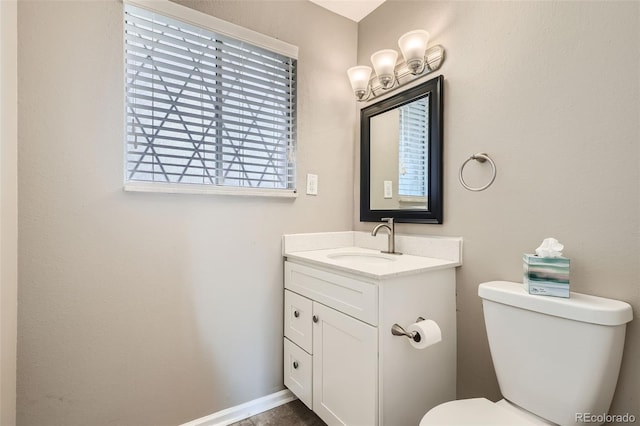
(294, 413)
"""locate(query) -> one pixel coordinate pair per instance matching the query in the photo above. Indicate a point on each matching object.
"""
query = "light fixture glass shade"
(413, 45)
(359, 77)
(384, 62)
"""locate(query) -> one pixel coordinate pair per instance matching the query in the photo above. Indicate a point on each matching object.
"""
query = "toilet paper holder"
(397, 330)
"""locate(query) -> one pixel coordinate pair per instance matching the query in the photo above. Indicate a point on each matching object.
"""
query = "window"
(413, 150)
(208, 104)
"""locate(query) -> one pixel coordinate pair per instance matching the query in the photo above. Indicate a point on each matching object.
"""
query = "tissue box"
(546, 276)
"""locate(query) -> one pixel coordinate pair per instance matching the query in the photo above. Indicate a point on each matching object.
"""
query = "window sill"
(172, 188)
(412, 199)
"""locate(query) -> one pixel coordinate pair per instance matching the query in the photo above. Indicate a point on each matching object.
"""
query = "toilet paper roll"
(427, 333)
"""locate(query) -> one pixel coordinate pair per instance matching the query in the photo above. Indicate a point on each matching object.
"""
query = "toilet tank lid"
(578, 307)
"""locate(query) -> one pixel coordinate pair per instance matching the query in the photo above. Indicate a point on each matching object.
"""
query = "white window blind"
(204, 108)
(414, 133)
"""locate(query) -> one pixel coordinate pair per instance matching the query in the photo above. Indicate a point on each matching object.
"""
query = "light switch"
(312, 184)
(388, 189)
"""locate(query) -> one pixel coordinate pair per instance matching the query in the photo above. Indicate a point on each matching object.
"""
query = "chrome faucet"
(392, 234)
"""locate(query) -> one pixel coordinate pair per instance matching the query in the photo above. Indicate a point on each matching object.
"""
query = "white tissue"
(550, 247)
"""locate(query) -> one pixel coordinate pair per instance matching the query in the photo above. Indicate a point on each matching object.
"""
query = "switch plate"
(312, 184)
(388, 189)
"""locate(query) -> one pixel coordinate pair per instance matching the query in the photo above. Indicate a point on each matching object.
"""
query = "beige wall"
(385, 129)
(151, 309)
(551, 91)
(8, 210)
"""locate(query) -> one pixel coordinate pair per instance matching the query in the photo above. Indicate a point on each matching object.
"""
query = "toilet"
(557, 360)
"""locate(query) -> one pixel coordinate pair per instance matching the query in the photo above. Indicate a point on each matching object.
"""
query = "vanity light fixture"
(391, 74)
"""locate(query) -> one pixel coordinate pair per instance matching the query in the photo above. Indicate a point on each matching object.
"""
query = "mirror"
(401, 156)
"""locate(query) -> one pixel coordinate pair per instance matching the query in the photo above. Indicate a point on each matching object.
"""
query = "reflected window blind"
(414, 132)
(205, 108)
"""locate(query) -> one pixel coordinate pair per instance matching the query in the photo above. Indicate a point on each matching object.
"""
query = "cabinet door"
(345, 359)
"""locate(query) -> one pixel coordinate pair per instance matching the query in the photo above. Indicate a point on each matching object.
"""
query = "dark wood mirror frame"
(433, 213)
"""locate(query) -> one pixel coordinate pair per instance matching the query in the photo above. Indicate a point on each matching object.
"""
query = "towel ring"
(481, 157)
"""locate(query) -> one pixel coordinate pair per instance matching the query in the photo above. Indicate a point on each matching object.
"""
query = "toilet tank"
(555, 357)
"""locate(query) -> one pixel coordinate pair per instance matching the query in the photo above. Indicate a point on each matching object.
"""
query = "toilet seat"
(476, 412)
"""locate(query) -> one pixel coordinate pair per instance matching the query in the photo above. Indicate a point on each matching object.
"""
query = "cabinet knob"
(296, 314)
(295, 364)
(315, 318)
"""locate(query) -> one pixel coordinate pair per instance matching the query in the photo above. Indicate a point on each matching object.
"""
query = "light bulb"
(359, 77)
(384, 62)
(413, 45)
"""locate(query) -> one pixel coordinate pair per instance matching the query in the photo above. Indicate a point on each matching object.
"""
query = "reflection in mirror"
(401, 156)
(398, 157)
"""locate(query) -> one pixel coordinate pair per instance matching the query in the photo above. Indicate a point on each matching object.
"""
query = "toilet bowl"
(554, 358)
(480, 412)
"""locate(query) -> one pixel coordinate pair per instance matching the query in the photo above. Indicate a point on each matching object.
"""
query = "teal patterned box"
(546, 276)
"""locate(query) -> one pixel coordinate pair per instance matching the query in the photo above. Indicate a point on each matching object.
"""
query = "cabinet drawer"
(298, 311)
(298, 370)
(355, 298)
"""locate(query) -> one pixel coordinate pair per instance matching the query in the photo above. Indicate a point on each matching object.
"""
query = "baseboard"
(243, 411)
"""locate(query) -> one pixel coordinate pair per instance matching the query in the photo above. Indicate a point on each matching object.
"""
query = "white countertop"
(372, 263)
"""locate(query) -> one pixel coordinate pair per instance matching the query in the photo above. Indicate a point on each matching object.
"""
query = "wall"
(8, 210)
(551, 91)
(385, 129)
(151, 309)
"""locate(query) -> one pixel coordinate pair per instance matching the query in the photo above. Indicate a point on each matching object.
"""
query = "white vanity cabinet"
(336, 374)
(340, 357)
(330, 358)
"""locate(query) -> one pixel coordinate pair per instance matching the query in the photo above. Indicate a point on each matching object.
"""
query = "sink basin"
(361, 257)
